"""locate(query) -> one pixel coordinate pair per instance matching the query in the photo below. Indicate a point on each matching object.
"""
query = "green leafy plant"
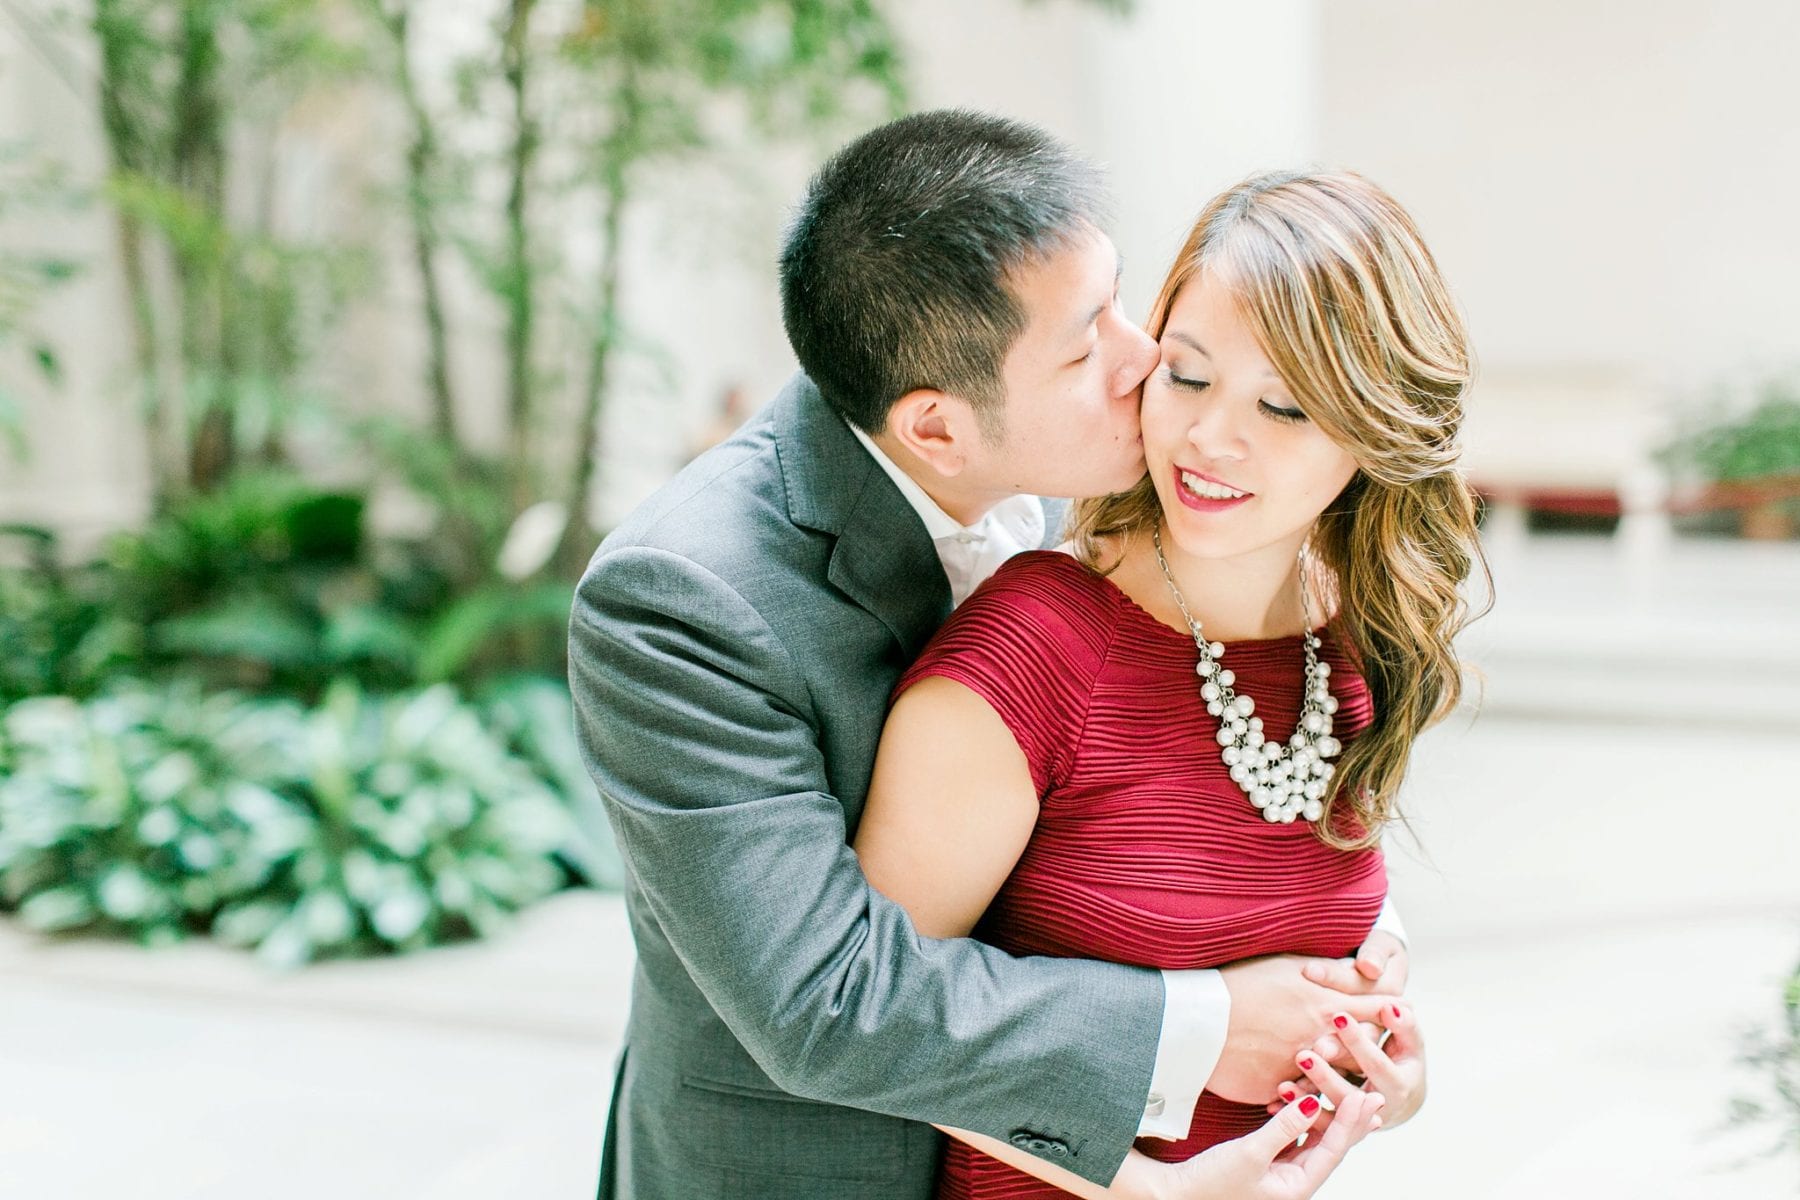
(27, 184)
(364, 825)
(62, 633)
(1760, 443)
(274, 584)
(1775, 1057)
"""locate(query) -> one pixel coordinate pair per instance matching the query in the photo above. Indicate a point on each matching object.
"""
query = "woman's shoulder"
(1050, 575)
(1040, 605)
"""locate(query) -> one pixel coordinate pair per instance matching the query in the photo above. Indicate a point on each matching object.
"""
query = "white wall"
(1610, 186)
(1609, 190)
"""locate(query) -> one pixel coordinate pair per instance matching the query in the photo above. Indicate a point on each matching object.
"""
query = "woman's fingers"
(1375, 1065)
(1404, 1039)
(1331, 1085)
(1277, 1135)
(1356, 1117)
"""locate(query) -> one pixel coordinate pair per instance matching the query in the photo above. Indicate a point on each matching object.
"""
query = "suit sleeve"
(696, 728)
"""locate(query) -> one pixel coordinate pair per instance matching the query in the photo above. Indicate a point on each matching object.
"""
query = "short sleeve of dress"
(1029, 641)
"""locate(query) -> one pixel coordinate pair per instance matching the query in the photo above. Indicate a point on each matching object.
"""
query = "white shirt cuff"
(1389, 921)
(1196, 1015)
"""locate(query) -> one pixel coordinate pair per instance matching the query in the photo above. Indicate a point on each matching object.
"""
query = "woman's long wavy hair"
(1332, 276)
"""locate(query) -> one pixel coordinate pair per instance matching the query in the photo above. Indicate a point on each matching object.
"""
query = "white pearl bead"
(1314, 810)
(1254, 739)
(1209, 691)
(1214, 708)
(1328, 747)
(1256, 724)
(1224, 735)
(1326, 771)
(1314, 722)
(1313, 789)
(1205, 667)
(1216, 649)
(1270, 815)
(1227, 678)
(1245, 706)
(1287, 818)
(1330, 703)
(1233, 756)
(1240, 775)
(1324, 669)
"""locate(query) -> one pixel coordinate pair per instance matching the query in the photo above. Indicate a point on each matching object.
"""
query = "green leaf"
(57, 909)
(254, 628)
(462, 632)
(48, 364)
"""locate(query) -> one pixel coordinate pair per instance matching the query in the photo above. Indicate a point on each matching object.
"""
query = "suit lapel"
(882, 558)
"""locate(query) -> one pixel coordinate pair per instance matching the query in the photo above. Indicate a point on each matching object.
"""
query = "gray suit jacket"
(732, 648)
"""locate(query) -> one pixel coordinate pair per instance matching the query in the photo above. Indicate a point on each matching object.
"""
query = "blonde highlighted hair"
(1333, 278)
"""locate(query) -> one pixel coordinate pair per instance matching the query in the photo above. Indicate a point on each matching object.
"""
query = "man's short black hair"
(894, 270)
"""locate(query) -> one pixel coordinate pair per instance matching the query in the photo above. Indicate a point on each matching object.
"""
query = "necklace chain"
(1283, 782)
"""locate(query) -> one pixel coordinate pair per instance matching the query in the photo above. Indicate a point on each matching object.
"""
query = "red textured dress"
(1145, 852)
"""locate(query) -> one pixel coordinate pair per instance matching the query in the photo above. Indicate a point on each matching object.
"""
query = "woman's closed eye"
(1183, 383)
(1291, 416)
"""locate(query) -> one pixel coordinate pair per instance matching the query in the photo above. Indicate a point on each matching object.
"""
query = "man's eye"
(1082, 359)
(1292, 416)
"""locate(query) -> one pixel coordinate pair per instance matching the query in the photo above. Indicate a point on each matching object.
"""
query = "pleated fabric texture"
(1145, 851)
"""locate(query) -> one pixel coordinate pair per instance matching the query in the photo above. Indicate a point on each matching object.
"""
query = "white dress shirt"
(1196, 1004)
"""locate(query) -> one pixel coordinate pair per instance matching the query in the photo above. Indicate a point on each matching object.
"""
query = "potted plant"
(1750, 461)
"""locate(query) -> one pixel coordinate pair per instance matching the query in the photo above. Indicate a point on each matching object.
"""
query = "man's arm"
(696, 728)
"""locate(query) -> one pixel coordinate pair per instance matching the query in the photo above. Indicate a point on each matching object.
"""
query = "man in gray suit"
(954, 306)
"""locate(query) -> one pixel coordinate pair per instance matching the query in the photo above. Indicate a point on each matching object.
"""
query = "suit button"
(1039, 1145)
(1059, 1149)
(1021, 1139)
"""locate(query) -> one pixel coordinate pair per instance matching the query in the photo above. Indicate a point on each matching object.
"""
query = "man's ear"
(935, 427)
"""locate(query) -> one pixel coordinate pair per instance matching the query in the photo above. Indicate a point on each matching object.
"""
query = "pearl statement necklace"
(1282, 782)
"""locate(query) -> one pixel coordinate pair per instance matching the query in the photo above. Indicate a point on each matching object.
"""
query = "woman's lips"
(1202, 503)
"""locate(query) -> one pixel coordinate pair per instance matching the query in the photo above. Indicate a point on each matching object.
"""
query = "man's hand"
(1275, 1010)
(1380, 967)
(1266, 1165)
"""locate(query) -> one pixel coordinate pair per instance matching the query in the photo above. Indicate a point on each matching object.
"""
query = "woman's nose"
(1216, 429)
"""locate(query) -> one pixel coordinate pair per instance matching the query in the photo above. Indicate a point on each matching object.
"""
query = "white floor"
(1609, 896)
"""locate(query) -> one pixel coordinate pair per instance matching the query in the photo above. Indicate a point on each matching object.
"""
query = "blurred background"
(335, 333)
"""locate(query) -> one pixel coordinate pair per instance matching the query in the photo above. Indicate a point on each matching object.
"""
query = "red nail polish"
(1287, 1093)
(1342, 1022)
(1309, 1106)
(1306, 1064)
(1395, 1009)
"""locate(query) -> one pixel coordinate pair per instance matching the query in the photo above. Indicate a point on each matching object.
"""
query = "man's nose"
(1137, 360)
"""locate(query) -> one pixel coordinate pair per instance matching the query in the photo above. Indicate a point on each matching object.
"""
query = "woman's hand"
(1395, 1068)
(1266, 1165)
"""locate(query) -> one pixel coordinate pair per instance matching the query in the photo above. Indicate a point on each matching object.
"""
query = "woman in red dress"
(1176, 745)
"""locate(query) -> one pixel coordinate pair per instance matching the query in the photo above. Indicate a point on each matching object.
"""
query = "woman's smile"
(1203, 493)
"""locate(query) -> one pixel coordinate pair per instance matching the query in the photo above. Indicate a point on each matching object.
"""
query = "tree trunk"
(126, 144)
(579, 535)
(515, 57)
(198, 170)
(421, 164)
